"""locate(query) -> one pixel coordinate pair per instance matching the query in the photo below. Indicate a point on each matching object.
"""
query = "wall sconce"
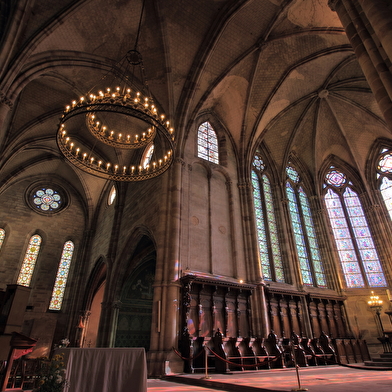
(375, 304)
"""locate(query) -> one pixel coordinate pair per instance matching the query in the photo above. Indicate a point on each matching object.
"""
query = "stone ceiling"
(277, 73)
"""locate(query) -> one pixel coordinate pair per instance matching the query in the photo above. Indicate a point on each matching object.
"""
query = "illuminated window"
(147, 156)
(30, 258)
(2, 236)
(357, 253)
(310, 263)
(112, 195)
(61, 277)
(384, 178)
(47, 199)
(267, 233)
(207, 143)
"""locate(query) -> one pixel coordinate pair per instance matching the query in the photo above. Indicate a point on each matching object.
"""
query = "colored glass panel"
(273, 231)
(311, 234)
(367, 250)
(47, 199)
(299, 236)
(258, 163)
(207, 143)
(292, 174)
(386, 192)
(26, 272)
(335, 177)
(2, 236)
(260, 227)
(62, 276)
(343, 240)
(385, 163)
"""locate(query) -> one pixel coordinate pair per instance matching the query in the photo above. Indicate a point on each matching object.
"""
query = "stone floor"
(318, 379)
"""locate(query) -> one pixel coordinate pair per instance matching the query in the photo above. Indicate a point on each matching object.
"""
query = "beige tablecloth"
(105, 369)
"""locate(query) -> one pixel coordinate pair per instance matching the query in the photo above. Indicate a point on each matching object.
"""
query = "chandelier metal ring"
(133, 106)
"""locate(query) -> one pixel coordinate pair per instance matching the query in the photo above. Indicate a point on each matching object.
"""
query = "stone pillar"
(369, 27)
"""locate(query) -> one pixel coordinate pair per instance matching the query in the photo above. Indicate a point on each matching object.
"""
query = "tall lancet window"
(2, 236)
(310, 263)
(267, 232)
(26, 272)
(357, 253)
(62, 276)
(384, 178)
(207, 143)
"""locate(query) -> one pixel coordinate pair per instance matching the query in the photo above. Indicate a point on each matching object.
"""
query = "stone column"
(368, 27)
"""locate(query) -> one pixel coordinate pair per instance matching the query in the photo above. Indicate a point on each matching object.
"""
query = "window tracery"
(267, 232)
(305, 239)
(357, 253)
(207, 143)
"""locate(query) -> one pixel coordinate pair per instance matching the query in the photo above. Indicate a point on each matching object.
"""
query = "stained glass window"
(306, 244)
(26, 272)
(61, 277)
(47, 199)
(2, 236)
(207, 143)
(384, 175)
(357, 253)
(267, 232)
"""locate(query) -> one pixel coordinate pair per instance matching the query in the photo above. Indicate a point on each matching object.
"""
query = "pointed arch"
(305, 239)
(266, 227)
(356, 250)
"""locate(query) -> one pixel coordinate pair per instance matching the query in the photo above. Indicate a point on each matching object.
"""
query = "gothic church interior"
(272, 212)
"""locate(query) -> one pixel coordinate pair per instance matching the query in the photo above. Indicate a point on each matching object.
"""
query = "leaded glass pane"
(365, 244)
(299, 236)
(261, 233)
(386, 192)
(343, 241)
(258, 163)
(47, 199)
(311, 234)
(292, 174)
(273, 231)
(26, 272)
(61, 277)
(335, 177)
(385, 163)
(207, 143)
(2, 236)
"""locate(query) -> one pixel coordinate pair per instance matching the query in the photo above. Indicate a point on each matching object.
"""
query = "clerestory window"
(358, 255)
(207, 143)
(311, 267)
(266, 228)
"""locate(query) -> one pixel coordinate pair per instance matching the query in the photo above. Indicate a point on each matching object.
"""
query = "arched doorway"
(90, 338)
(135, 315)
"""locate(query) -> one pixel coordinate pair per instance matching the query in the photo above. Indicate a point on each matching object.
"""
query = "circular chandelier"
(119, 119)
(118, 134)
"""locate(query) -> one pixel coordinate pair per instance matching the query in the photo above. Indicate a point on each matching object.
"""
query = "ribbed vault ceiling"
(275, 73)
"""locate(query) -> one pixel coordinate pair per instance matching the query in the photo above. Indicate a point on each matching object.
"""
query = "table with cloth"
(105, 369)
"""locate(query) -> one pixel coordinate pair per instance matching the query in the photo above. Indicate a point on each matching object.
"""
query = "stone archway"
(135, 315)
